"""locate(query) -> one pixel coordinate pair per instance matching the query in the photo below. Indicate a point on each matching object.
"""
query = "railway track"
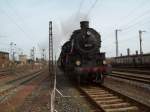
(107, 100)
(12, 85)
(129, 70)
(103, 99)
(132, 76)
(3, 74)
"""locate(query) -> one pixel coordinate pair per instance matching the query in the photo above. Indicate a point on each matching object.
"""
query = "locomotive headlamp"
(78, 63)
(104, 62)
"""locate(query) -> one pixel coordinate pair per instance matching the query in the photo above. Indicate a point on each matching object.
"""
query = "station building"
(4, 59)
(23, 59)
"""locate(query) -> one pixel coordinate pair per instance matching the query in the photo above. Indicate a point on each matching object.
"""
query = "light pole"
(116, 35)
(140, 39)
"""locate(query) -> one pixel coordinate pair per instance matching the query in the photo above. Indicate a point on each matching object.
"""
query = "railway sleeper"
(106, 98)
(132, 78)
(116, 105)
(133, 75)
(102, 95)
(109, 101)
(93, 91)
(123, 109)
(97, 93)
(96, 110)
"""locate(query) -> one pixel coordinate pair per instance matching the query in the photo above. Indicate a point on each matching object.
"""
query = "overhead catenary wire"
(14, 11)
(134, 10)
(135, 19)
(137, 25)
(134, 23)
(23, 24)
(80, 6)
(137, 22)
(92, 7)
(15, 23)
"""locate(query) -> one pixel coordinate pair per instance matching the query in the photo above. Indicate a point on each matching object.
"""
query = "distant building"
(4, 59)
(23, 59)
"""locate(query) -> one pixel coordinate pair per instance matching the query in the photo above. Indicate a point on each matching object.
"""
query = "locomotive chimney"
(84, 24)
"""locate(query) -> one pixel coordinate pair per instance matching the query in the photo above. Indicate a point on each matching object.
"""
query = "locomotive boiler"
(81, 56)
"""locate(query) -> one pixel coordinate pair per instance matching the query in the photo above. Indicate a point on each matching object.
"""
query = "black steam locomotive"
(81, 56)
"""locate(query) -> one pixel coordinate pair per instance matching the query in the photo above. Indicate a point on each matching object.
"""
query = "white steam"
(72, 23)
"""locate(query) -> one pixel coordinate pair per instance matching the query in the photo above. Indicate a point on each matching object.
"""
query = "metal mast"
(32, 54)
(51, 69)
(43, 57)
(50, 48)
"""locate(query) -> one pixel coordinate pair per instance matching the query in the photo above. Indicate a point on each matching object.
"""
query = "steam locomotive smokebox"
(84, 24)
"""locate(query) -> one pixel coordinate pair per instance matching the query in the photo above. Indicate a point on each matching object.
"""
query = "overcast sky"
(25, 22)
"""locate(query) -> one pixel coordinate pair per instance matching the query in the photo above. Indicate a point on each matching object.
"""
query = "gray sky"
(25, 22)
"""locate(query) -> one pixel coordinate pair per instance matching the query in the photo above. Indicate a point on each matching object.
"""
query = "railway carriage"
(140, 61)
